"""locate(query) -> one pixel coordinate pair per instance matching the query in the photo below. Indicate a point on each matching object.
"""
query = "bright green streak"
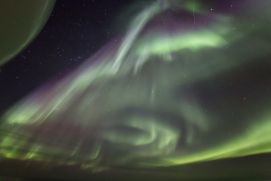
(254, 141)
(193, 41)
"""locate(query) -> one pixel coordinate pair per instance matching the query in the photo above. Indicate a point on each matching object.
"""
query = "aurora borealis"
(183, 85)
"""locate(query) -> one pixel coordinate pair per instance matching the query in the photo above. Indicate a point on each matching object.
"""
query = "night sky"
(183, 92)
(74, 31)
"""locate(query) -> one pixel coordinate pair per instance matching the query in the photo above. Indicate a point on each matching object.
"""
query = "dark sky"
(75, 30)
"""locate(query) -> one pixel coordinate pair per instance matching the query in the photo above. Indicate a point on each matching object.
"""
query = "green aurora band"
(156, 98)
